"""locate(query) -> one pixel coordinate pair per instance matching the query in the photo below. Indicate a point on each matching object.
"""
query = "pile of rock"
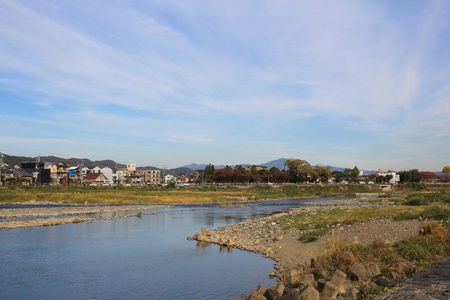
(302, 285)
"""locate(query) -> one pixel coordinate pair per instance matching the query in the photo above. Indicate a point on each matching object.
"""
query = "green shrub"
(313, 235)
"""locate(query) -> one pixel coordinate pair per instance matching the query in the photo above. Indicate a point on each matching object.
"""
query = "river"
(141, 258)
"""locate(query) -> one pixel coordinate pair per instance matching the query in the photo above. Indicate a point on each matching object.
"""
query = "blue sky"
(169, 83)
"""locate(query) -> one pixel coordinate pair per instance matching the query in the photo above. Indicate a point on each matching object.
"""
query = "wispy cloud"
(198, 73)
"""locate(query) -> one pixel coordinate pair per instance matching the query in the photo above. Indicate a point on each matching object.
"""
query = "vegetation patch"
(403, 259)
(428, 198)
(311, 236)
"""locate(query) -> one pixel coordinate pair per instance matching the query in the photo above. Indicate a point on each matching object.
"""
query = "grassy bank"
(186, 194)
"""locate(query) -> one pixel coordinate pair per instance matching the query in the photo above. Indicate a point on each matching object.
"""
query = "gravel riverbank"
(262, 235)
(57, 215)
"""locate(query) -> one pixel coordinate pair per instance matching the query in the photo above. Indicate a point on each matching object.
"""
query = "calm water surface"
(141, 258)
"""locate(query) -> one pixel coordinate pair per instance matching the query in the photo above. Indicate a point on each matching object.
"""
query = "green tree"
(208, 173)
(323, 173)
(228, 168)
(354, 174)
(299, 170)
(338, 176)
(274, 170)
(240, 168)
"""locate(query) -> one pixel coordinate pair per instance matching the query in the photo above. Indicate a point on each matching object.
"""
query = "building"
(395, 177)
(96, 179)
(131, 167)
(150, 177)
(257, 168)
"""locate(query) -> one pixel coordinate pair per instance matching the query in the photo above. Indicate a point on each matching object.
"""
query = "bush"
(313, 235)
(416, 186)
(436, 212)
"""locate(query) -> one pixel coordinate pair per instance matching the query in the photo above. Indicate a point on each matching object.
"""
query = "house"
(108, 172)
(169, 178)
(395, 177)
(96, 170)
(97, 179)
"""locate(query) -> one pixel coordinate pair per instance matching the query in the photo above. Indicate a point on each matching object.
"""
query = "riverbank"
(58, 215)
(184, 194)
(270, 238)
(400, 248)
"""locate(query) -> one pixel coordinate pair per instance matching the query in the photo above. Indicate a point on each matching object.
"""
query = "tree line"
(299, 171)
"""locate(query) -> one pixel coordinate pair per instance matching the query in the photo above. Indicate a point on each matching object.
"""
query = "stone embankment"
(57, 215)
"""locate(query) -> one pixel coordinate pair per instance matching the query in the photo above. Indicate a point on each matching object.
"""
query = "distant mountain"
(17, 160)
(279, 163)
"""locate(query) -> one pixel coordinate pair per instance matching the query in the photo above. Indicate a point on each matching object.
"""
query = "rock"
(271, 294)
(373, 271)
(352, 294)
(279, 288)
(222, 241)
(200, 237)
(338, 279)
(230, 242)
(206, 232)
(293, 277)
(255, 296)
(290, 294)
(309, 293)
(359, 272)
(306, 279)
(321, 284)
(330, 291)
(261, 289)
(383, 281)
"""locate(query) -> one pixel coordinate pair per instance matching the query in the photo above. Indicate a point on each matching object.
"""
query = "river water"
(140, 258)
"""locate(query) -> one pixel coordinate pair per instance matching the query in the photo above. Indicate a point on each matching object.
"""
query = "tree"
(338, 176)
(208, 173)
(274, 170)
(446, 170)
(410, 176)
(240, 168)
(323, 173)
(354, 174)
(299, 170)
(228, 168)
